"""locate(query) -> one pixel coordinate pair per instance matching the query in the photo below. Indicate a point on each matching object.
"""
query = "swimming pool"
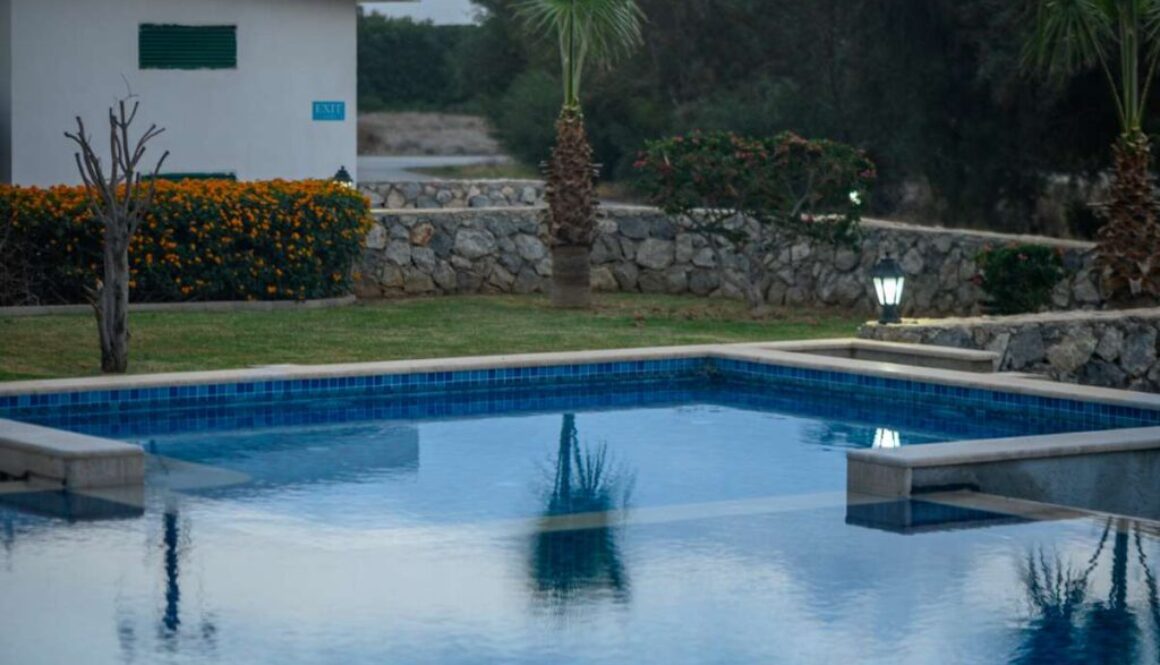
(689, 512)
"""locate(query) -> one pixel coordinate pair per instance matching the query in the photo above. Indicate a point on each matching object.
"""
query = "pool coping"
(786, 354)
(75, 461)
(888, 472)
(917, 355)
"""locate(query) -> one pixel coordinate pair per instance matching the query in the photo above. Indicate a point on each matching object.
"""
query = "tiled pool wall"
(410, 383)
(372, 407)
(1091, 412)
(655, 376)
(855, 411)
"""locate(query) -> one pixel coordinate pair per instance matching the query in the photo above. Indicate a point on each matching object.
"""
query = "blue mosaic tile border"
(130, 424)
(381, 384)
(1093, 412)
(76, 404)
(847, 414)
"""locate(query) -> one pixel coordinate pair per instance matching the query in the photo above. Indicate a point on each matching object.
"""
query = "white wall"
(72, 57)
(5, 91)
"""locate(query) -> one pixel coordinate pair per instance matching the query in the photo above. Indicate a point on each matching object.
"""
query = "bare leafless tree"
(120, 198)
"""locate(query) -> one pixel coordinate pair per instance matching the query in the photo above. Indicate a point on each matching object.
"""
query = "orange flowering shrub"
(206, 240)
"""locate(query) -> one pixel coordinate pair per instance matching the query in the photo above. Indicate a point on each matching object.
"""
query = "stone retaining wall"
(1115, 349)
(501, 250)
(454, 194)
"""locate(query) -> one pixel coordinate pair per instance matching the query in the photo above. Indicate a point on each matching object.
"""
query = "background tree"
(411, 65)
(587, 31)
(931, 89)
(120, 199)
(1114, 36)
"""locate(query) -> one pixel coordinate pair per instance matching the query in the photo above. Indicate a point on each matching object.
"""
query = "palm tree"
(1122, 39)
(588, 31)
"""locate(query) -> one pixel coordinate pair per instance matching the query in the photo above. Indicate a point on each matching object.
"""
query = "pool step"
(74, 461)
(1111, 471)
(914, 355)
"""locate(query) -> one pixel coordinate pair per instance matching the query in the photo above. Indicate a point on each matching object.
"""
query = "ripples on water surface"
(695, 525)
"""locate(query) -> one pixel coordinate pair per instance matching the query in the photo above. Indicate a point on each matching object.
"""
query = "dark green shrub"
(206, 240)
(1018, 278)
(784, 185)
(813, 188)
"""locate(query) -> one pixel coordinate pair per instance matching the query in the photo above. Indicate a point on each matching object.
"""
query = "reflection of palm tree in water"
(580, 555)
(168, 629)
(1069, 630)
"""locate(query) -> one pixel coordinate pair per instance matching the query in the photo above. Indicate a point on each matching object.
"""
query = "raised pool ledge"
(916, 355)
(75, 461)
(1111, 471)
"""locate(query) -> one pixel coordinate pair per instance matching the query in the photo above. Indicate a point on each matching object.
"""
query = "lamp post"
(889, 281)
(343, 177)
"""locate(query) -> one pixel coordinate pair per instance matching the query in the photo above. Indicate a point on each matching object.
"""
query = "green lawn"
(62, 346)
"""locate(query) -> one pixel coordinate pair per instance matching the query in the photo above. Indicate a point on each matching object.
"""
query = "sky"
(439, 11)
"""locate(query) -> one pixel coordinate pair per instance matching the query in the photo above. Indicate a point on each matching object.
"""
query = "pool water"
(684, 523)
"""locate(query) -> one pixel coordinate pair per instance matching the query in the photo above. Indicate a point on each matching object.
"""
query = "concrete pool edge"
(1110, 471)
(784, 354)
(883, 472)
(75, 461)
(916, 355)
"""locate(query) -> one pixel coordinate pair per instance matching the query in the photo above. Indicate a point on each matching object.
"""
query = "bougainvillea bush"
(784, 185)
(205, 240)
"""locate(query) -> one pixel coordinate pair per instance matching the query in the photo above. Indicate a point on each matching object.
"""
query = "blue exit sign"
(329, 111)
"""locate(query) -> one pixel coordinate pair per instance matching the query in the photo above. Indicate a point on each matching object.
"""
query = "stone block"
(656, 254)
(474, 243)
(603, 280)
(627, 276)
(376, 237)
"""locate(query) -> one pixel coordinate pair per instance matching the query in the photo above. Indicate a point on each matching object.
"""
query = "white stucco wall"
(5, 91)
(74, 57)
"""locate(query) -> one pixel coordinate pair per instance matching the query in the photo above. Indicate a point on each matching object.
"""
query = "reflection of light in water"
(887, 438)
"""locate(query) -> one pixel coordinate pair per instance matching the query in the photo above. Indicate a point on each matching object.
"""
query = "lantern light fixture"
(344, 178)
(889, 282)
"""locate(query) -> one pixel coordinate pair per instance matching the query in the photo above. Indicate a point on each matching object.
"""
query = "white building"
(256, 89)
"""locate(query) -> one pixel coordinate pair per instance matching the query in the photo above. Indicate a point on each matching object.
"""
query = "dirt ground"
(424, 134)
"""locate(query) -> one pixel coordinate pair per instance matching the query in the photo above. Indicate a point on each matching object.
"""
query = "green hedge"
(206, 240)
(1018, 278)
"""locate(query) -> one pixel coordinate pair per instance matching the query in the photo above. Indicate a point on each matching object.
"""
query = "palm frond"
(610, 28)
(1071, 35)
(1150, 29)
(598, 30)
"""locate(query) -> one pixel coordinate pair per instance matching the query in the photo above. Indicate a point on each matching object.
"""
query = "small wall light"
(889, 281)
(343, 177)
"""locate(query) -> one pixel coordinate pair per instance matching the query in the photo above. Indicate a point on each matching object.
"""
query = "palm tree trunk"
(571, 196)
(571, 277)
(1129, 241)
